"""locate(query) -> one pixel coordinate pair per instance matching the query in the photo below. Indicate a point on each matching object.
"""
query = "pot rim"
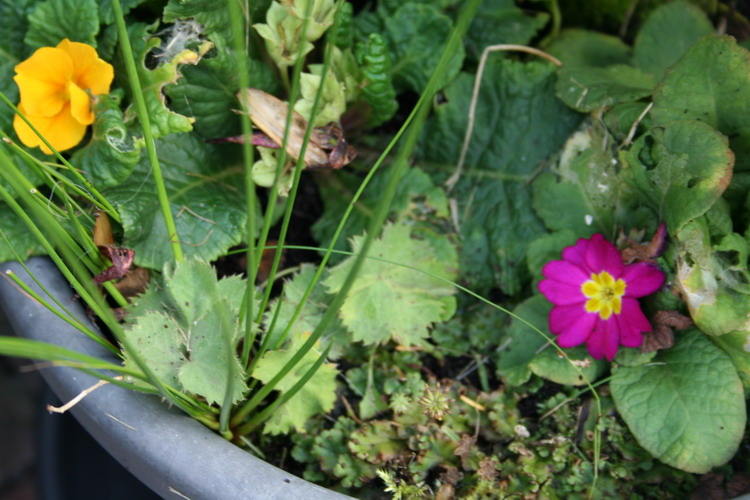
(170, 452)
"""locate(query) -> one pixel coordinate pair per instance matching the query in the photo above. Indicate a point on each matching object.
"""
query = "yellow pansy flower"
(56, 86)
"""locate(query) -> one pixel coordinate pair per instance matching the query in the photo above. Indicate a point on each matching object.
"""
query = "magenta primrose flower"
(595, 294)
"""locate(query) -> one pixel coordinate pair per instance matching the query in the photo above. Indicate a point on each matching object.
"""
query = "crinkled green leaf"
(107, 12)
(500, 21)
(22, 241)
(53, 20)
(519, 123)
(548, 247)
(581, 191)
(204, 198)
(378, 91)
(163, 120)
(417, 201)
(577, 47)
(588, 89)
(315, 397)
(667, 33)
(207, 92)
(112, 153)
(311, 313)
(687, 408)
(523, 342)
(716, 292)
(682, 168)
(550, 365)
(15, 16)
(414, 35)
(9, 88)
(710, 83)
(393, 302)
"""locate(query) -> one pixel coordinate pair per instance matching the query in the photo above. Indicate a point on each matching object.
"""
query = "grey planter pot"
(171, 453)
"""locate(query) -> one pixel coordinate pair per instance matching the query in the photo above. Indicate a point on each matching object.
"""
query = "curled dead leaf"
(327, 146)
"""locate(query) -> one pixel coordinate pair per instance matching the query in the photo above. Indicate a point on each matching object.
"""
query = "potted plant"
(585, 186)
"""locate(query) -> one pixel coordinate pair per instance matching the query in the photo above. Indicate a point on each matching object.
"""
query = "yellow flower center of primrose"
(604, 294)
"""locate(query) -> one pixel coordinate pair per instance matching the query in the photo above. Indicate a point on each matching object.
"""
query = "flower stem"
(141, 110)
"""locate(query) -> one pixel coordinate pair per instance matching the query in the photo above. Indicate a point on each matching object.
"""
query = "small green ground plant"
(449, 249)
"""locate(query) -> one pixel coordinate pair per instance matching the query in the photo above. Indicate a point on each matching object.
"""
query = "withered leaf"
(464, 448)
(487, 469)
(662, 336)
(269, 113)
(122, 259)
(648, 252)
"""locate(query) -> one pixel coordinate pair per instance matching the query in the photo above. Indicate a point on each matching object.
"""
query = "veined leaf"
(53, 20)
(393, 302)
(687, 408)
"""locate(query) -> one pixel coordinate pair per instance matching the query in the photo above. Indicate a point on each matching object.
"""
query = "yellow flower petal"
(89, 72)
(42, 80)
(61, 130)
(80, 105)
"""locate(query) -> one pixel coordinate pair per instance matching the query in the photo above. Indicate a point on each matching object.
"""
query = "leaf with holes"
(682, 168)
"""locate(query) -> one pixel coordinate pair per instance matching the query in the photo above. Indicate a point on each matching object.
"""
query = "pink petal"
(577, 254)
(565, 272)
(595, 342)
(611, 338)
(601, 255)
(604, 340)
(572, 324)
(642, 279)
(632, 322)
(561, 293)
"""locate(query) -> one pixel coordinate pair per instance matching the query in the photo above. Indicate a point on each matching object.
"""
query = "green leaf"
(204, 198)
(182, 328)
(500, 21)
(737, 346)
(206, 372)
(548, 247)
(394, 302)
(9, 88)
(207, 92)
(693, 167)
(687, 408)
(717, 293)
(158, 340)
(53, 20)
(378, 91)
(15, 16)
(582, 192)
(418, 202)
(112, 153)
(414, 34)
(588, 89)
(317, 396)
(710, 83)
(311, 313)
(212, 16)
(577, 47)
(21, 240)
(163, 120)
(667, 33)
(550, 365)
(519, 123)
(107, 13)
(523, 342)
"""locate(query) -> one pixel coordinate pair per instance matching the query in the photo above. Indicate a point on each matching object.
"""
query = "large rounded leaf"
(687, 407)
